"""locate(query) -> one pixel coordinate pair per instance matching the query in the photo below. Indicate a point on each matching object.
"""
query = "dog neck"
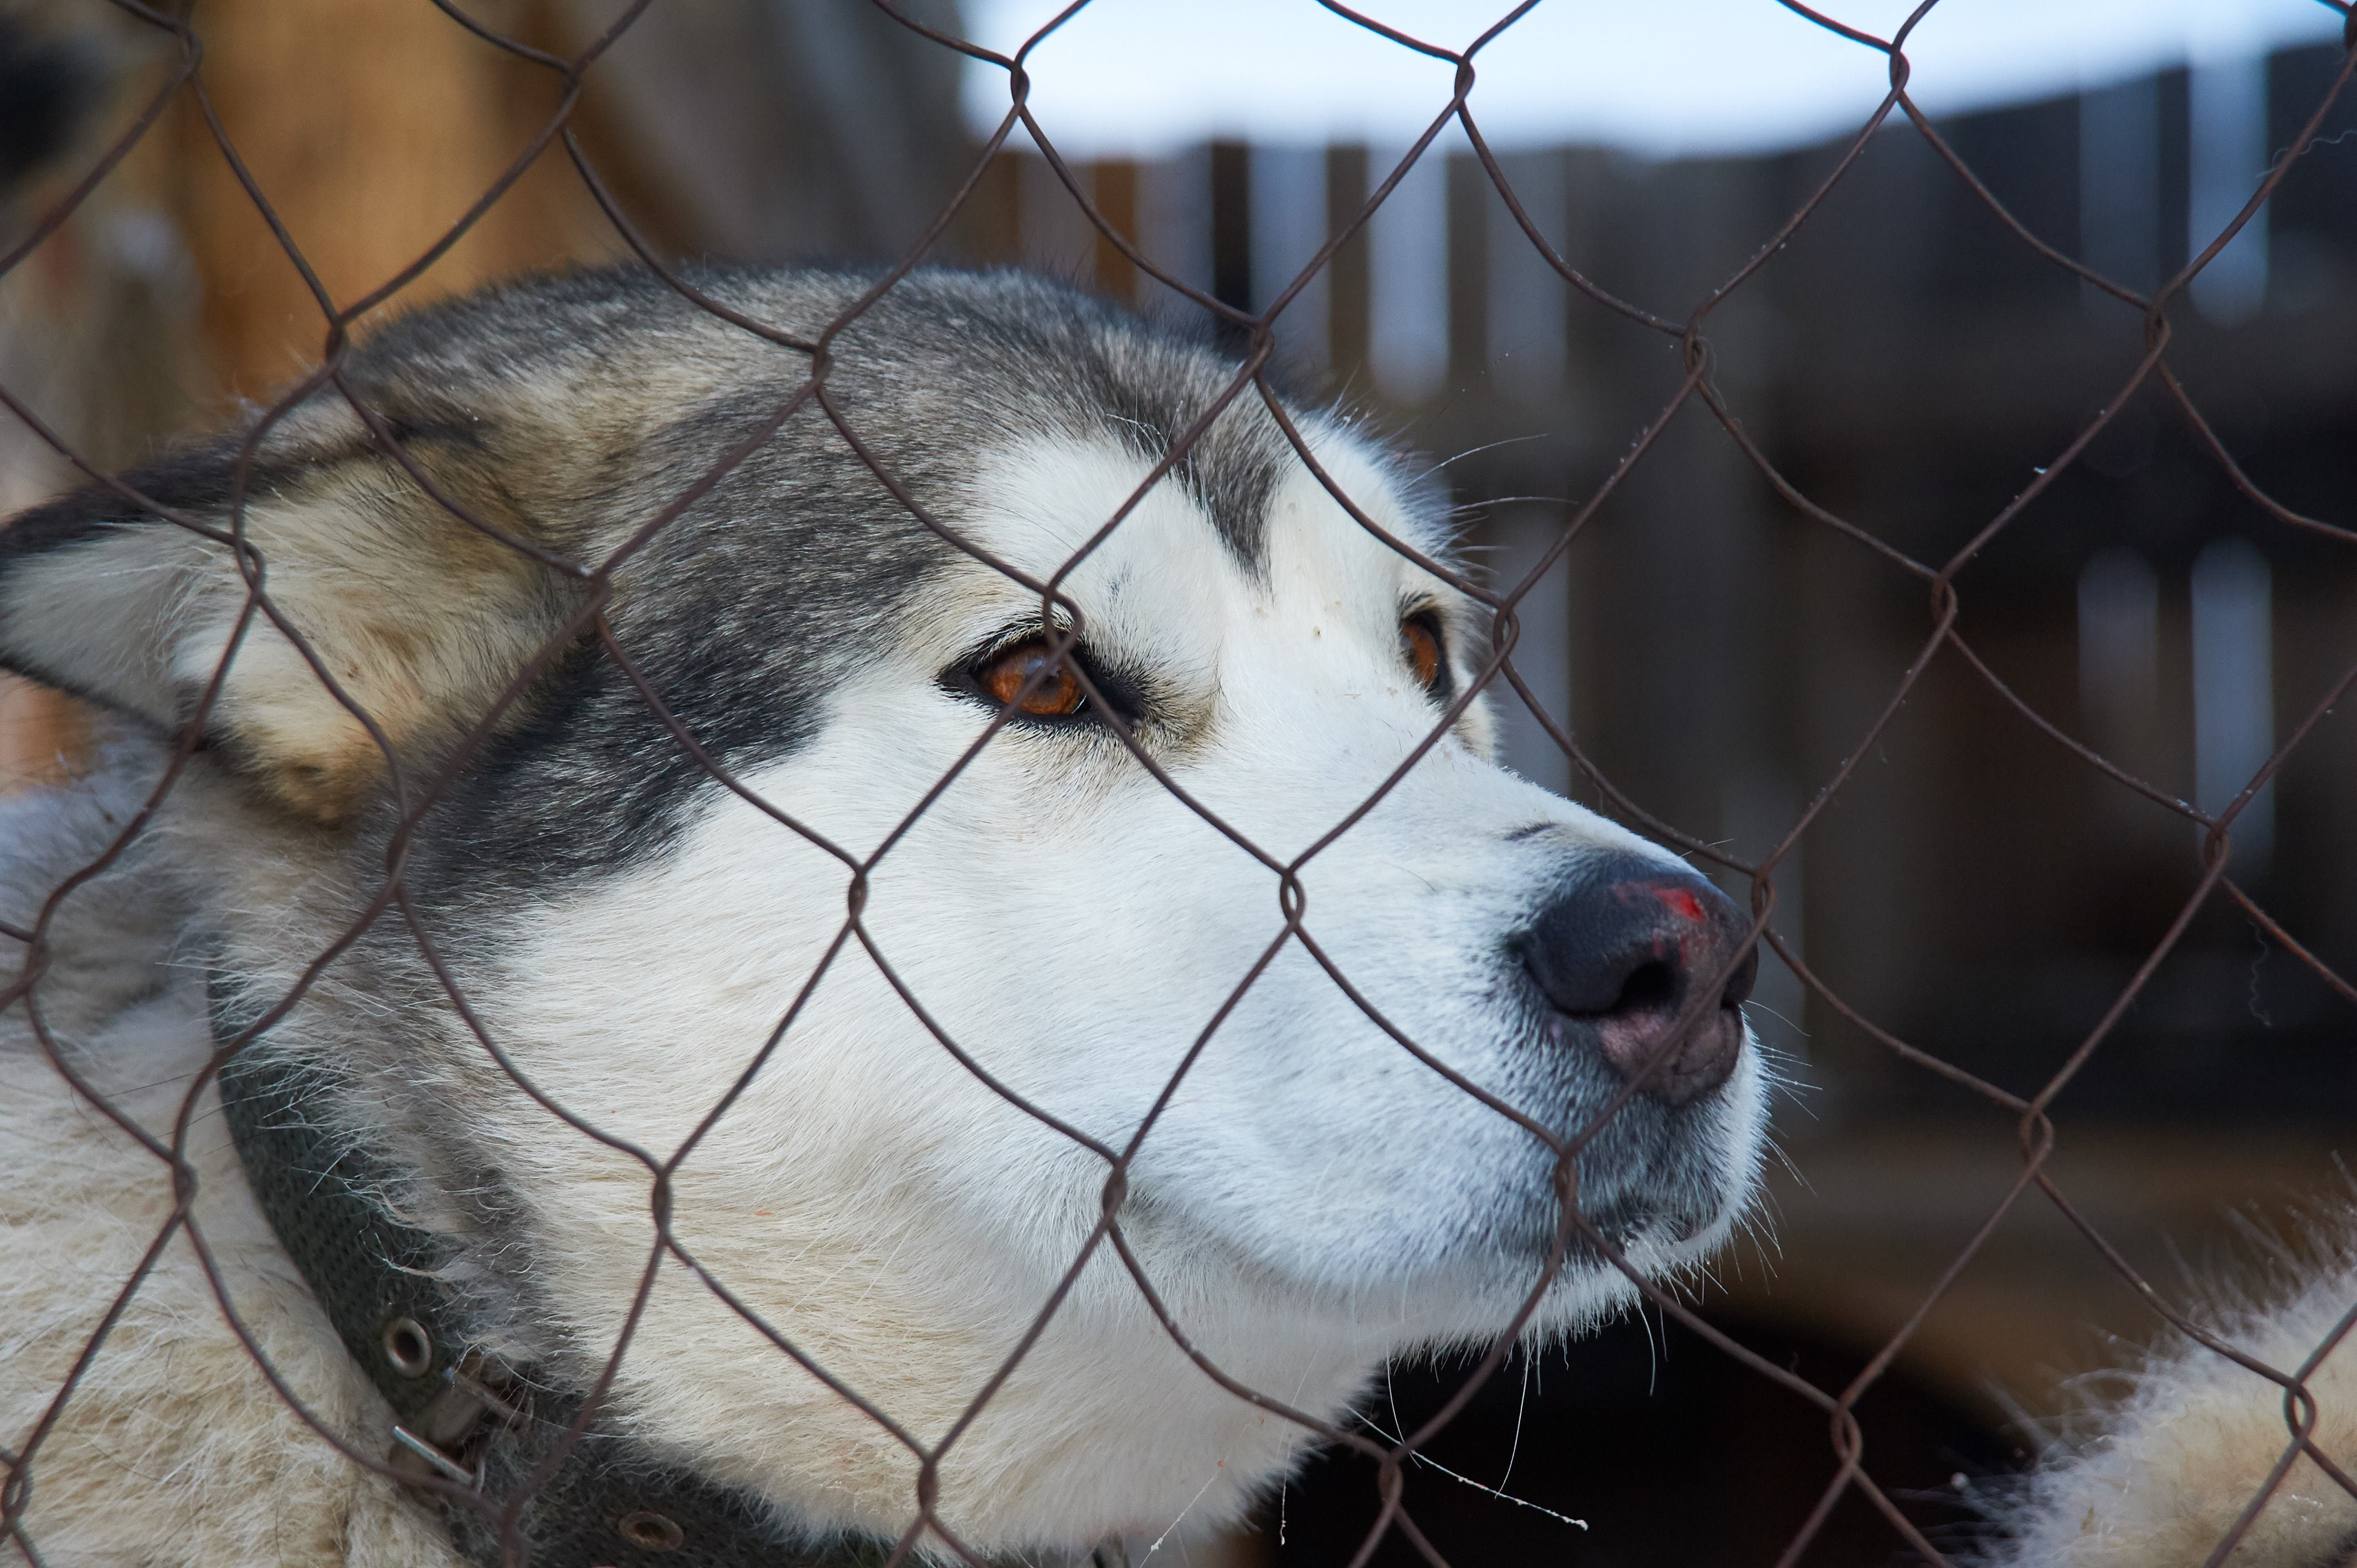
(471, 1431)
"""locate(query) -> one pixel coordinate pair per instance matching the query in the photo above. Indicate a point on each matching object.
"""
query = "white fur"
(1313, 1200)
(1309, 1189)
(172, 1448)
(2157, 1478)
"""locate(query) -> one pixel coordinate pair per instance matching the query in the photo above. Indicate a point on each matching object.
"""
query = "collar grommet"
(651, 1532)
(408, 1349)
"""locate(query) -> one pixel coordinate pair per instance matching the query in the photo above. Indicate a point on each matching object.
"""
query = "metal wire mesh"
(1683, 337)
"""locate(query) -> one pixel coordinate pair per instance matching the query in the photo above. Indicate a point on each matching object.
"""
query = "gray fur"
(569, 411)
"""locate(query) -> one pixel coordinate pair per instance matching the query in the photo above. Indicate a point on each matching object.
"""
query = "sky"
(1659, 78)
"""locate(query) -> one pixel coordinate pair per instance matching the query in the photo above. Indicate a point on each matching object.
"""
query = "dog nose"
(1622, 954)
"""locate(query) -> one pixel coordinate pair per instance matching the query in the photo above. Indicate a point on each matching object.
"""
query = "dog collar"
(460, 1413)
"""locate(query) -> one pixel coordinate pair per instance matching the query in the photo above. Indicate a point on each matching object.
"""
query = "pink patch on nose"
(1681, 903)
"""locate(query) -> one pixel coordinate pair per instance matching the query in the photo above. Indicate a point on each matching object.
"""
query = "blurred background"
(1907, 362)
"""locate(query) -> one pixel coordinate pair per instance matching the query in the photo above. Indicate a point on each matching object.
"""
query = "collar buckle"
(450, 1432)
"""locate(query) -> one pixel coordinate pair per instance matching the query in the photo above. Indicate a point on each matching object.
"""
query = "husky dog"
(900, 1160)
(2159, 1476)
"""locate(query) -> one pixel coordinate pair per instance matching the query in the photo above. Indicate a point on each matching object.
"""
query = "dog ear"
(421, 618)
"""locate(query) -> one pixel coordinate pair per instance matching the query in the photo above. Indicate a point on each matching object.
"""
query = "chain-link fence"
(1260, 322)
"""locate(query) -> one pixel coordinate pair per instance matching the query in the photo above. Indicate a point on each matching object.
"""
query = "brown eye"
(1058, 694)
(1423, 649)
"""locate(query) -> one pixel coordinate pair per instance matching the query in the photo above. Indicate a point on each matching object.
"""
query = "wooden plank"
(370, 128)
(1114, 188)
(1347, 280)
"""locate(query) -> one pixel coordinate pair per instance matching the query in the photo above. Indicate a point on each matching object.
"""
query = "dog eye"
(1421, 643)
(1058, 695)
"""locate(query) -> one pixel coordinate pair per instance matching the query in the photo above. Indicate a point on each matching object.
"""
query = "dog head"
(911, 854)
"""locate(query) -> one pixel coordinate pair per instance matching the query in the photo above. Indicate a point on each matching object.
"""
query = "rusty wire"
(1681, 336)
